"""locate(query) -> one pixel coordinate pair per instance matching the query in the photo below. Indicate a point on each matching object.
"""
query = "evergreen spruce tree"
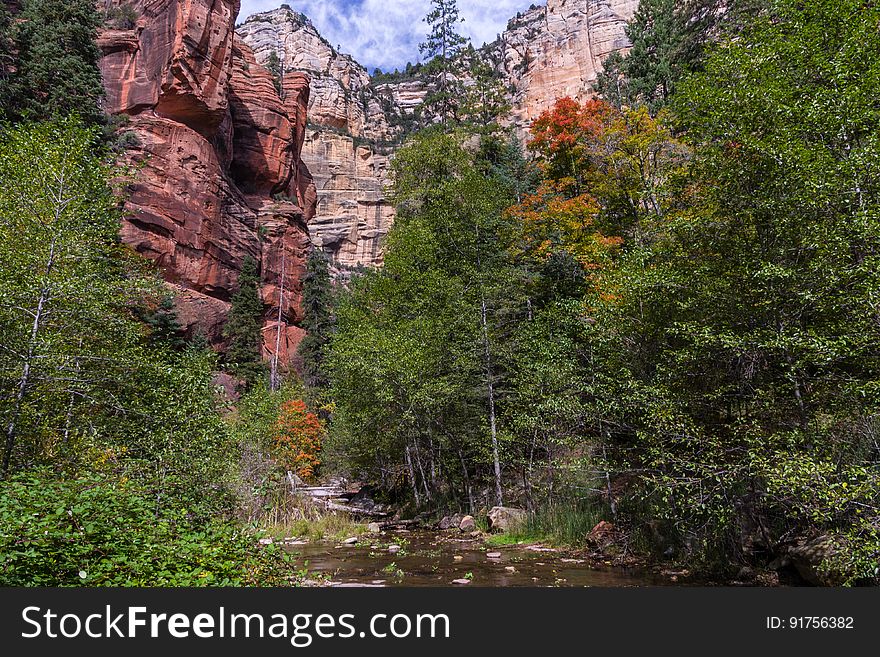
(243, 327)
(164, 326)
(319, 321)
(443, 44)
(656, 33)
(276, 67)
(56, 62)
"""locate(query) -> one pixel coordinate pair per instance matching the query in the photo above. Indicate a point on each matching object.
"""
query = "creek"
(448, 558)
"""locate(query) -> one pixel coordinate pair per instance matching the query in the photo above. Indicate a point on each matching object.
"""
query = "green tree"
(319, 298)
(244, 325)
(7, 57)
(651, 68)
(163, 324)
(59, 281)
(669, 41)
(276, 67)
(484, 101)
(737, 361)
(442, 46)
(421, 387)
(56, 61)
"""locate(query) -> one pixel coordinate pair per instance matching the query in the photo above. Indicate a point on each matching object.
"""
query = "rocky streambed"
(404, 553)
(438, 558)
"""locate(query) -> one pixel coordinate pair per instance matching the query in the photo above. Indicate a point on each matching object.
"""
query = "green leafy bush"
(102, 530)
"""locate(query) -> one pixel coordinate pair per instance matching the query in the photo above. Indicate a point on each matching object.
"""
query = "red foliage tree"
(297, 439)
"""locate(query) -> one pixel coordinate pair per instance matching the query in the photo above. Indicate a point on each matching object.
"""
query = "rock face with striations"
(220, 175)
(557, 50)
(546, 53)
(350, 123)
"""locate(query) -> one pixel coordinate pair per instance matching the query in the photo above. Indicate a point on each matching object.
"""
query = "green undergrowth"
(566, 526)
(332, 526)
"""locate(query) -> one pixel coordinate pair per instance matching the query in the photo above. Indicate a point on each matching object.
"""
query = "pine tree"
(56, 62)
(276, 67)
(656, 33)
(244, 325)
(319, 322)
(443, 44)
(164, 326)
(484, 100)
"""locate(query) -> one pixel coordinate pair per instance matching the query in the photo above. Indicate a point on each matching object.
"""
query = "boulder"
(602, 535)
(467, 524)
(450, 522)
(505, 518)
(811, 558)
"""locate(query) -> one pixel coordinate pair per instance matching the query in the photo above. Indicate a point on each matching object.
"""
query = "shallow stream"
(426, 558)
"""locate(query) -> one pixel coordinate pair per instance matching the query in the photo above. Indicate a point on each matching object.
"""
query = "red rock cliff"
(220, 173)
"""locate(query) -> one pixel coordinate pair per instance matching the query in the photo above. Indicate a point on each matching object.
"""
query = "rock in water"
(450, 522)
(467, 524)
(461, 581)
(350, 541)
(505, 518)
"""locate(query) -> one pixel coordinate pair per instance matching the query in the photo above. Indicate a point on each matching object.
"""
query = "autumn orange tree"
(605, 170)
(297, 439)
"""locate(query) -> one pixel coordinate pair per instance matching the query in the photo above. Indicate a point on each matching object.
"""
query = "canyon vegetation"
(617, 269)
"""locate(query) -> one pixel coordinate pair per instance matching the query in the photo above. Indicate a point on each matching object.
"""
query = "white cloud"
(387, 33)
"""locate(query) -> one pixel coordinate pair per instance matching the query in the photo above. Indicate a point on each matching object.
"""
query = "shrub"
(104, 530)
(297, 439)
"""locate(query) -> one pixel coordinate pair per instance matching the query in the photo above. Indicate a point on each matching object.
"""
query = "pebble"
(457, 557)
(394, 548)
(461, 581)
(510, 569)
(493, 555)
(350, 541)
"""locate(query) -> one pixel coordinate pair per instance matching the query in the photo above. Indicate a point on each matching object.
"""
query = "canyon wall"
(546, 53)
(351, 125)
(556, 50)
(218, 174)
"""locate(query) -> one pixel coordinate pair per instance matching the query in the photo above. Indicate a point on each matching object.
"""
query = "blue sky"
(386, 33)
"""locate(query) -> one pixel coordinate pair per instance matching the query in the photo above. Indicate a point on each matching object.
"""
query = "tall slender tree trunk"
(467, 481)
(412, 476)
(490, 387)
(24, 379)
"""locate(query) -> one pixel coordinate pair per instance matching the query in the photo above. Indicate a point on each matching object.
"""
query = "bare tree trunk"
(493, 428)
(412, 476)
(608, 489)
(68, 419)
(418, 454)
(534, 445)
(467, 482)
(24, 379)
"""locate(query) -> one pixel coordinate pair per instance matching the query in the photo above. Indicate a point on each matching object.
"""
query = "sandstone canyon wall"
(351, 125)
(557, 50)
(220, 176)
(546, 53)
